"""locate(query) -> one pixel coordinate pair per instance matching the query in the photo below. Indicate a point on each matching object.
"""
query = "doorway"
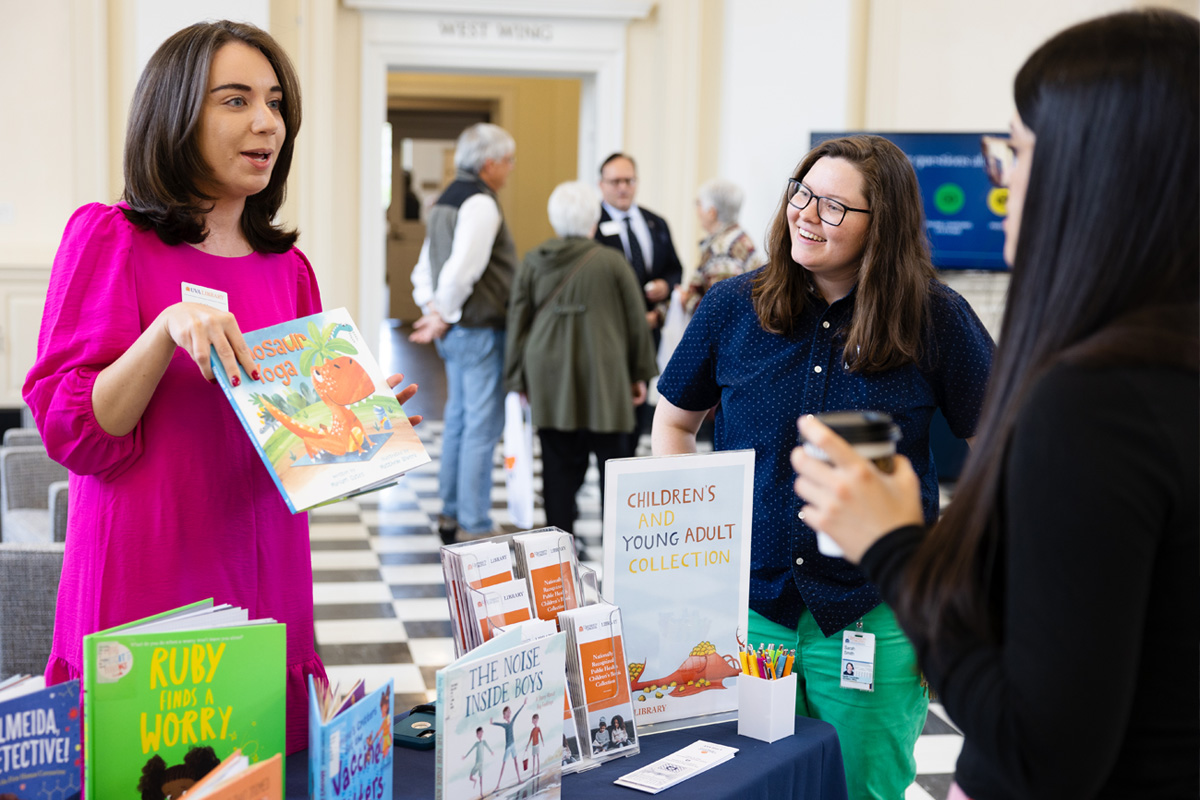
(426, 113)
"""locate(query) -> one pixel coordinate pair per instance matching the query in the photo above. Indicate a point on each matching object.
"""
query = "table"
(806, 765)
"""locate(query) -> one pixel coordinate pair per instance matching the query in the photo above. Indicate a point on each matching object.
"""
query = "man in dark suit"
(640, 234)
(645, 239)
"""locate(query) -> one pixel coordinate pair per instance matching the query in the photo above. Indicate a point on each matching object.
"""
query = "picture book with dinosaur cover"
(321, 413)
(677, 560)
(166, 699)
(40, 749)
(349, 743)
(499, 720)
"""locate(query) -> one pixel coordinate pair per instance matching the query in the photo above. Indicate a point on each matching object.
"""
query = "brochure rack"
(583, 711)
(580, 589)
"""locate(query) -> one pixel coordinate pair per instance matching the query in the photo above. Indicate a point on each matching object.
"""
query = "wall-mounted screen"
(964, 213)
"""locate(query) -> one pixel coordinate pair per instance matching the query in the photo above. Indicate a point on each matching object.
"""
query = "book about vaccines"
(499, 720)
(167, 698)
(40, 749)
(677, 561)
(321, 415)
(349, 742)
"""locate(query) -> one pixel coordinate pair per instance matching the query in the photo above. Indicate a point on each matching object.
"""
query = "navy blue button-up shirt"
(765, 381)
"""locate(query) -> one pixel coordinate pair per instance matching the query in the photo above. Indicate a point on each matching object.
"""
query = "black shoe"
(447, 529)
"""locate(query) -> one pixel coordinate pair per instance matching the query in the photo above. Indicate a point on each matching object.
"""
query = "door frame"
(536, 38)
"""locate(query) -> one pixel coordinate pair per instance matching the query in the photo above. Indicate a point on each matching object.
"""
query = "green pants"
(877, 730)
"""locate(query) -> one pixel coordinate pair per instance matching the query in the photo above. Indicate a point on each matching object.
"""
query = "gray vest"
(487, 307)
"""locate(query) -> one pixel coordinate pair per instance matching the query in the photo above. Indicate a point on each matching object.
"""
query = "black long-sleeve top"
(1094, 687)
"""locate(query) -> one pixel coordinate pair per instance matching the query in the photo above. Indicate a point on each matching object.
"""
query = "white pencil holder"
(766, 709)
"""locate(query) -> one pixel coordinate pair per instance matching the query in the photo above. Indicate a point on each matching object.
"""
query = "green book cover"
(167, 698)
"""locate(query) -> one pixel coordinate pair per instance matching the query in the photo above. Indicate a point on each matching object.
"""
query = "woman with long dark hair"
(1073, 535)
(169, 502)
(846, 314)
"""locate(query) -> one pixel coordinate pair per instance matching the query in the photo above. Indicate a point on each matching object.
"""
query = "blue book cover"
(41, 752)
(321, 414)
(350, 756)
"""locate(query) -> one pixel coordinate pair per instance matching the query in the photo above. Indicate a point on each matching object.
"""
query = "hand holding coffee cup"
(855, 486)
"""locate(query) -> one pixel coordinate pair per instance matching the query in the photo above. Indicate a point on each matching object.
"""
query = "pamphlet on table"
(599, 681)
(687, 762)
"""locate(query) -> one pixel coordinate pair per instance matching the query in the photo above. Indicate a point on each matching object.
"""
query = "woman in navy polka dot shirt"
(847, 314)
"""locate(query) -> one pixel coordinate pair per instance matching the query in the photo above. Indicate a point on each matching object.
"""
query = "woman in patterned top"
(727, 250)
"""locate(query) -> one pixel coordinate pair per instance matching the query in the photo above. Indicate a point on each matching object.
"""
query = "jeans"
(474, 359)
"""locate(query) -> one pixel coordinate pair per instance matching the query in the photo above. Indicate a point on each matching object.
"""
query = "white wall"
(156, 20)
(51, 147)
(784, 76)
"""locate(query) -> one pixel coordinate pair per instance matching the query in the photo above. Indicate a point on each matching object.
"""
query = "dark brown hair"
(164, 169)
(1114, 104)
(891, 309)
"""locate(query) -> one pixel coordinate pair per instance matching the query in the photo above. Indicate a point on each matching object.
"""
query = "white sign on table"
(677, 563)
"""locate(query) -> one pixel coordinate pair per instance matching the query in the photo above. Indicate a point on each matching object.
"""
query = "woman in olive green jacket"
(578, 347)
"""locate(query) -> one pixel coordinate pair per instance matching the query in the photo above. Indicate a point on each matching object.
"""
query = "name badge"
(858, 661)
(610, 227)
(213, 298)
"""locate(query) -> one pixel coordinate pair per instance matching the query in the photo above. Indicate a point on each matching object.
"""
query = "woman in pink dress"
(169, 502)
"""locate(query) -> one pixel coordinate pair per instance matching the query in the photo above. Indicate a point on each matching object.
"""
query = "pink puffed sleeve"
(308, 296)
(90, 319)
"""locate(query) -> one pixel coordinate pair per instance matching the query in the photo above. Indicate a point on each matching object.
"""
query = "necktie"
(636, 257)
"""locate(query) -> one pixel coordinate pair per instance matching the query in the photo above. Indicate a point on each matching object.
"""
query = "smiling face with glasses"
(828, 219)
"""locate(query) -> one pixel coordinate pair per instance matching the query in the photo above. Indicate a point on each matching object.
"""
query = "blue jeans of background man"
(474, 359)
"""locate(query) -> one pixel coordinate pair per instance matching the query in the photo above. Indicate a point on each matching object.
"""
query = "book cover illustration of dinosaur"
(321, 414)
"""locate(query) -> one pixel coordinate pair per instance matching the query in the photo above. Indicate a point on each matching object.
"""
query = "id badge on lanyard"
(858, 660)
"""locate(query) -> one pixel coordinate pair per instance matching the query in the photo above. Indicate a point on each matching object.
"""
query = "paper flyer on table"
(677, 561)
(687, 762)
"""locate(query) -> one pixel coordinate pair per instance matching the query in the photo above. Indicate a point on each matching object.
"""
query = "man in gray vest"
(461, 284)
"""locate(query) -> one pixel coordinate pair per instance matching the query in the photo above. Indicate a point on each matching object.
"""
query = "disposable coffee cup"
(873, 436)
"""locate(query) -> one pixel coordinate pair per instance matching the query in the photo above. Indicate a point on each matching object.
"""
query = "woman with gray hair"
(578, 348)
(727, 250)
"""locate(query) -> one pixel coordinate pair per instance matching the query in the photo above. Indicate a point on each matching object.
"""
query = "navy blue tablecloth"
(806, 765)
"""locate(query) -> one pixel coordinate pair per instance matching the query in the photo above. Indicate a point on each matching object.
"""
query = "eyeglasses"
(999, 158)
(829, 210)
(621, 181)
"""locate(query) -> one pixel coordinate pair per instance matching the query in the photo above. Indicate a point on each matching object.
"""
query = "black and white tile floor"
(380, 601)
